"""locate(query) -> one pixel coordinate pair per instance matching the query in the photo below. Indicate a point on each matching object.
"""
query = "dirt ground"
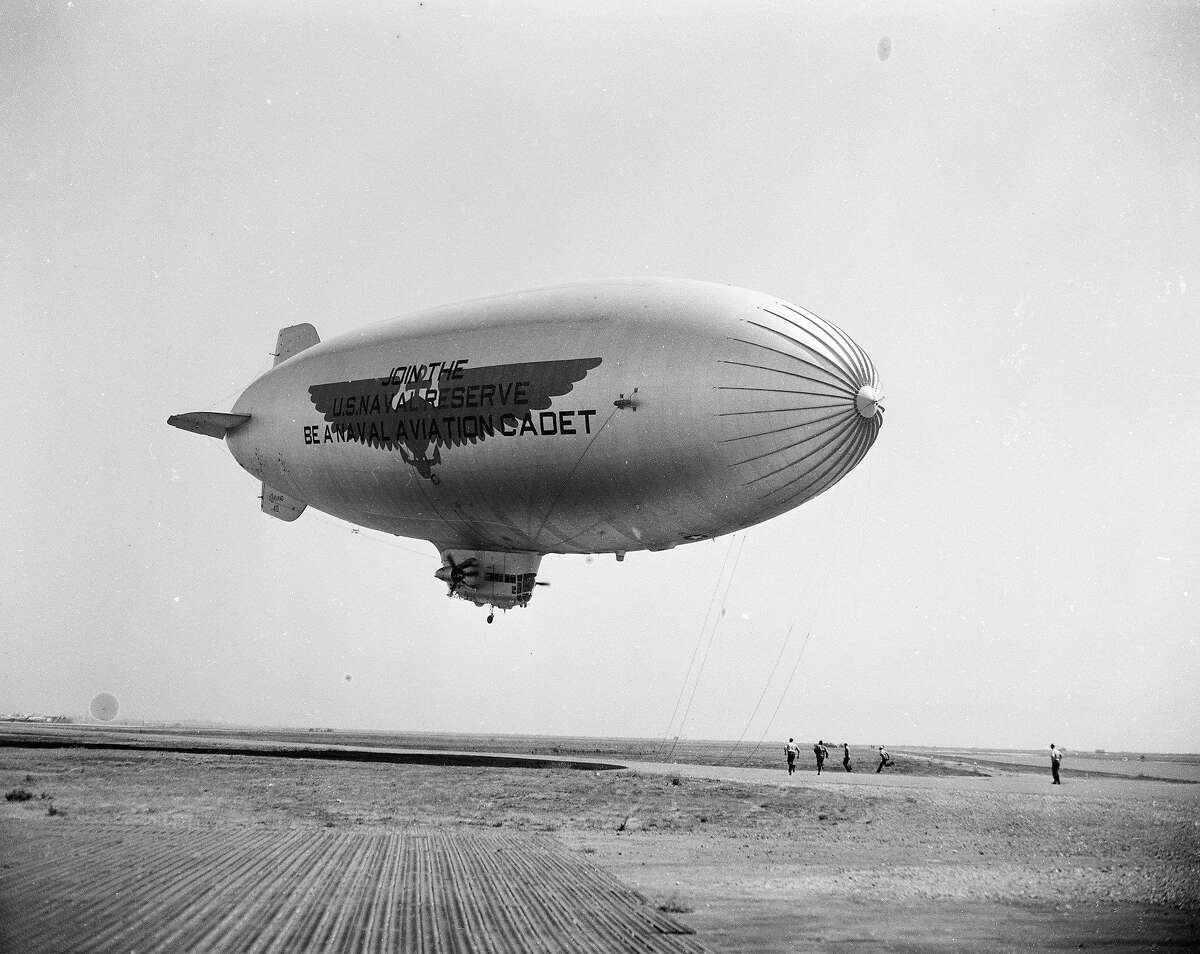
(753, 860)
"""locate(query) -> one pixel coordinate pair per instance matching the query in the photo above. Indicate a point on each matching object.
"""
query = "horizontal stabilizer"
(280, 505)
(294, 339)
(208, 423)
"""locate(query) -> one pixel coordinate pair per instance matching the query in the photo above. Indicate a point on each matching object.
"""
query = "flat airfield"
(166, 839)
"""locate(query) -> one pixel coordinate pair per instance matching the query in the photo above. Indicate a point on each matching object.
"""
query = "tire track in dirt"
(158, 888)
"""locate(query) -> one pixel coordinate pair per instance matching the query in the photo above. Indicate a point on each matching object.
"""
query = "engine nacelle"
(490, 577)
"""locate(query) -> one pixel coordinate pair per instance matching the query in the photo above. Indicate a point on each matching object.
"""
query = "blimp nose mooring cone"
(868, 402)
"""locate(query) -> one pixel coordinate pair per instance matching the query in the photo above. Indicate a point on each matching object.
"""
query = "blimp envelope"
(592, 418)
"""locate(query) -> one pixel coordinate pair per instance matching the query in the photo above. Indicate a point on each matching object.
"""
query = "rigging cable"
(762, 695)
(820, 600)
(227, 401)
(696, 649)
(530, 538)
(711, 639)
(320, 517)
(782, 696)
(567, 480)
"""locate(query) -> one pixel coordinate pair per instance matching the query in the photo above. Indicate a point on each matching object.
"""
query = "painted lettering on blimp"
(405, 409)
(474, 395)
(544, 424)
(402, 373)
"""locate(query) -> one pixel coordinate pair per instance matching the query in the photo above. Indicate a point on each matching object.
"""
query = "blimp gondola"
(607, 417)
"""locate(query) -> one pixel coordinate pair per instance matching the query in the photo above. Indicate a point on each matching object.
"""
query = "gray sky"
(1003, 212)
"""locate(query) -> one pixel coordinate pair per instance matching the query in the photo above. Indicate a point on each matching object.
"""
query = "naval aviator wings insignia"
(421, 410)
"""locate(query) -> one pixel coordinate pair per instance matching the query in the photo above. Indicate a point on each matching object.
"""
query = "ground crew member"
(846, 757)
(884, 760)
(792, 750)
(1055, 762)
(821, 753)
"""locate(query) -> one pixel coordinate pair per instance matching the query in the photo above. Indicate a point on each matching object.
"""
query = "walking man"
(1055, 761)
(821, 753)
(846, 757)
(792, 750)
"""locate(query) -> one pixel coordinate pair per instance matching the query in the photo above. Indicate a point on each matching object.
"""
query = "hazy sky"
(1003, 210)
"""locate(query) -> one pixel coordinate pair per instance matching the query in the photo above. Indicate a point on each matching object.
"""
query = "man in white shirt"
(792, 750)
(1055, 761)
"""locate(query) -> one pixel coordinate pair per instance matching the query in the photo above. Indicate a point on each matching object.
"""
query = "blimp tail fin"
(294, 339)
(280, 505)
(208, 423)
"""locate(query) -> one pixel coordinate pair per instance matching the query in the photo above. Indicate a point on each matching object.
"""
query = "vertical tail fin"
(294, 339)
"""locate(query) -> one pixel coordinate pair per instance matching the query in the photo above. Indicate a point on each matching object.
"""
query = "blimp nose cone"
(867, 402)
(799, 405)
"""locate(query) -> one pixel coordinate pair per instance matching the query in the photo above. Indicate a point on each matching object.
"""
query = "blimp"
(593, 418)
